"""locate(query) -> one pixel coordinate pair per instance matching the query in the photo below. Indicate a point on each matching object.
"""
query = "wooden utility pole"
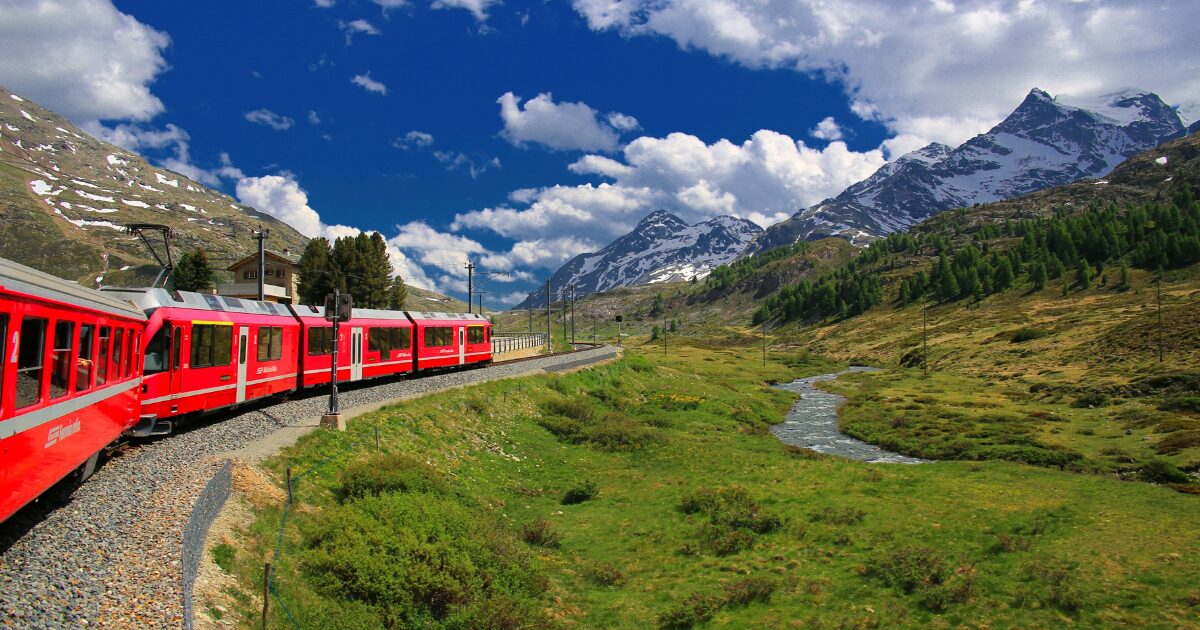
(924, 333)
(549, 330)
(764, 342)
(1160, 324)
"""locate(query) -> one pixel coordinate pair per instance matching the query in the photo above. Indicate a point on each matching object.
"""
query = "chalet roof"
(275, 256)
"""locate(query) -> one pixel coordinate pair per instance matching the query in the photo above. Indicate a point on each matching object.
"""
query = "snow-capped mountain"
(661, 248)
(1044, 142)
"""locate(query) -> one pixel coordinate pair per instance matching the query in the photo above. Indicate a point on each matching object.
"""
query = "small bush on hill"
(734, 518)
(750, 590)
(1090, 399)
(541, 533)
(696, 609)
(1027, 334)
(421, 560)
(838, 516)
(1162, 471)
(585, 491)
(389, 473)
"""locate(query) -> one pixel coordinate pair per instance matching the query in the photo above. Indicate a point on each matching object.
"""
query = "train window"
(401, 338)
(155, 360)
(320, 341)
(212, 345)
(270, 343)
(31, 357)
(84, 365)
(132, 340)
(60, 360)
(437, 336)
(3, 354)
(102, 357)
(379, 340)
(475, 334)
(118, 351)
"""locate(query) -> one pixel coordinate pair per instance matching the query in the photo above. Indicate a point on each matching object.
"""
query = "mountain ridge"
(1044, 142)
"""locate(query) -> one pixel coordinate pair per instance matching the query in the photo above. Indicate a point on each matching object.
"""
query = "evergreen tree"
(397, 294)
(315, 281)
(674, 325)
(1083, 274)
(193, 272)
(1124, 286)
(1002, 277)
(1037, 275)
(658, 307)
(655, 333)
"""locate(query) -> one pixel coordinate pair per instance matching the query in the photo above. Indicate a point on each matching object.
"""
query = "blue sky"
(523, 133)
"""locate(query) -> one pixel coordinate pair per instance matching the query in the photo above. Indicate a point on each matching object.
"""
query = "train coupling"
(150, 425)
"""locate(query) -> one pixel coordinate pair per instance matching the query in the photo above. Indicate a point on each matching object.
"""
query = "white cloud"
(827, 129)
(388, 5)
(455, 160)
(367, 83)
(478, 8)
(622, 122)
(560, 126)
(271, 119)
(355, 27)
(413, 140)
(764, 179)
(172, 139)
(313, 118)
(937, 70)
(324, 4)
(81, 58)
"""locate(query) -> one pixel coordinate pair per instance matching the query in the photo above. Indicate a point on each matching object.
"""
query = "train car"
(451, 339)
(208, 352)
(374, 343)
(70, 370)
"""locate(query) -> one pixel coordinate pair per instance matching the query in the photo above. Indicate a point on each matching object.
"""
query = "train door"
(176, 373)
(462, 345)
(243, 341)
(356, 353)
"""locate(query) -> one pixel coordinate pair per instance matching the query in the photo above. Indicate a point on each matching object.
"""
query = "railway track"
(109, 555)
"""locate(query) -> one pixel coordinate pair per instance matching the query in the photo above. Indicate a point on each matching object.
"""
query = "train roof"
(427, 315)
(149, 299)
(302, 310)
(21, 279)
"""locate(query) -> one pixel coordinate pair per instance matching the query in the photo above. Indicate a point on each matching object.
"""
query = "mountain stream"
(812, 423)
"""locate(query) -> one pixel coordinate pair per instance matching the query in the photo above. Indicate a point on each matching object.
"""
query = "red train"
(82, 368)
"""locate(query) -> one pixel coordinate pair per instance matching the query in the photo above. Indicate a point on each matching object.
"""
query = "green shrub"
(1058, 579)
(420, 560)
(605, 574)
(576, 408)
(909, 568)
(541, 533)
(224, 555)
(1091, 399)
(1181, 403)
(1178, 441)
(838, 516)
(386, 474)
(641, 364)
(618, 432)
(750, 590)
(1162, 471)
(1027, 334)
(696, 609)
(723, 540)
(585, 491)
(804, 453)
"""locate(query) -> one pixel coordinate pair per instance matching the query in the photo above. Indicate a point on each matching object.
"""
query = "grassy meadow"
(648, 492)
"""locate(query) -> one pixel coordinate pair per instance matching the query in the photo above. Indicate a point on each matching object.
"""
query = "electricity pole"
(924, 334)
(572, 315)
(549, 330)
(470, 292)
(664, 333)
(261, 235)
(1160, 324)
(764, 342)
(531, 312)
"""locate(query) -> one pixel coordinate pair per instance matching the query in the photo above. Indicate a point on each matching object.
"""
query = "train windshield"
(156, 352)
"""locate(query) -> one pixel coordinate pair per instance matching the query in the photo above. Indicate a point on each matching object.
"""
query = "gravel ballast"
(110, 555)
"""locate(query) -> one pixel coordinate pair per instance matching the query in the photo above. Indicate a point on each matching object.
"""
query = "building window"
(279, 272)
(250, 274)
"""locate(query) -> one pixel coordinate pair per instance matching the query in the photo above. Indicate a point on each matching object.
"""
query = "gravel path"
(110, 555)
